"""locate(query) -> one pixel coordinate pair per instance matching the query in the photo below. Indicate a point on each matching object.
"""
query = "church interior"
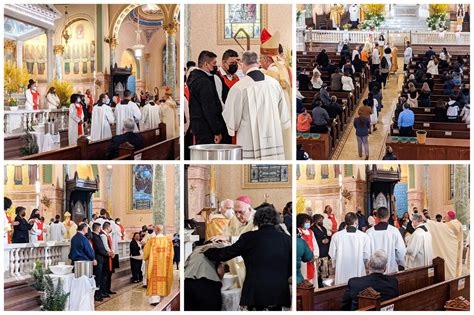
(87, 50)
(210, 192)
(422, 43)
(136, 197)
(434, 191)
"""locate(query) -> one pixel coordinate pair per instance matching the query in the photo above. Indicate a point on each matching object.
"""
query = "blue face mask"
(307, 225)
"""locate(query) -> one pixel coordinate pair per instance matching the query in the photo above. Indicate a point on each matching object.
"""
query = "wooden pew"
(433, 149)
(429, 298)
(330, 298)
(95, 150)
(165, 150)
(318, 149)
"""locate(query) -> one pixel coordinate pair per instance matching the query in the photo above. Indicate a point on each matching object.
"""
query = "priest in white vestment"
(57, 230)
(150, 116)
(256, 111)
(420, 245)
(126, 109)
(102, 118)
(349, 251)
(389, 239)
(169, 115)
(76, 120)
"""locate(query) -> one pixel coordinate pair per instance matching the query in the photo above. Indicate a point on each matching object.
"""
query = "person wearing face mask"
(126, 109)
(219, 220)
(76, 120)
(323, 240)
(21, 227)
(226, 73)
(308, 270)
(102, 118)
(205, 107)
(420, 245)
(32, 96)
(150, 115)
(257, 112)
(52, 99)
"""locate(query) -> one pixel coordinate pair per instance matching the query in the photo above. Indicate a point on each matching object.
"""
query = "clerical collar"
(252, 69)
(423, 227)
(351, 229)
(225, 73)
(256, 75)
(381, 226)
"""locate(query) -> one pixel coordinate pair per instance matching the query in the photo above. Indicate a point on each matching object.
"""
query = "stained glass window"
(245, 16)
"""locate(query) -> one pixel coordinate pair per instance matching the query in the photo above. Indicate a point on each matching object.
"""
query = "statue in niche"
(324, 171)
(119, 89)
(80, 32)
(380, 201)
(310, 172)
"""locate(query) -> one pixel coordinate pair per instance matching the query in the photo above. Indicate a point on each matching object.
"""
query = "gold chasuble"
(158, 254)
(215, 225)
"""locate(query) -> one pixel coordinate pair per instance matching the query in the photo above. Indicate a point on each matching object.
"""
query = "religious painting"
(79, 53)
(264, 176)
(142, 187)
(35, 56)
(241, 19)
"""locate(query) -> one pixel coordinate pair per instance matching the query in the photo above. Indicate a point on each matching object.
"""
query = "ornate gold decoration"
(9, 45)
(112, 41)
(171, 27)
(58, 49)
(346, 194)
(46, 201)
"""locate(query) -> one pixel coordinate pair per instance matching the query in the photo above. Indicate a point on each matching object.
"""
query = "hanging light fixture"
(138, 47)
(65, 33)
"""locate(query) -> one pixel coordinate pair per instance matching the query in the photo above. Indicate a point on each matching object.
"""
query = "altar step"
(20, 296)
(405, 24)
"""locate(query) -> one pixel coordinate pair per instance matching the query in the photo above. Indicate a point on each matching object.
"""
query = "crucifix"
(265, 197)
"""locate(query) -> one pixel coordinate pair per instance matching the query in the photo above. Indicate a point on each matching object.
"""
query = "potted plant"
(15, 81)
(54, 297)
(64, 90)
(38, 276)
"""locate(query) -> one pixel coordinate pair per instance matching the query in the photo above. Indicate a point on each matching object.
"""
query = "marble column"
(9, 49)
(187, 34)
(58, 57)
(171, 29)
(177, 197)
(159, 195)
(49, 56)
(461, 192)
(19, 54)
(113, 45)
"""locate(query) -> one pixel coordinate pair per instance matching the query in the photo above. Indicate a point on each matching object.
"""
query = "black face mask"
(320, 223)
(214, 70)
(150, 231)
(233, 69)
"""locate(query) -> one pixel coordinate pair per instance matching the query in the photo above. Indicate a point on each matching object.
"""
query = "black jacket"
(99, 249)
(386, 285)
(205, 108)
(134, 248)
(21, 231)
(267, 256)
(134, 139)
(320, 235)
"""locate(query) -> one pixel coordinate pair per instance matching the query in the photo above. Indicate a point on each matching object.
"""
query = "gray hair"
(378, 262)
(249, 58)
(128, 125)
(417, 217)
(225, 201)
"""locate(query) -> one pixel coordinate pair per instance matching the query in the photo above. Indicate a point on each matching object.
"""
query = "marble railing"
(19, 259)
(398, 38)
(16, 121)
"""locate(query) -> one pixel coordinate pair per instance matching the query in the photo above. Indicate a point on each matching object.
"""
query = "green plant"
(38, 276)
(54, 298)
(31, 147)
(64, 90)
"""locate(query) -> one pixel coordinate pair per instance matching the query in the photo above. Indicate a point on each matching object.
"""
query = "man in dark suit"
(102, 257)
(129, 136)
(267, 256)
(21, 227)
(386, 285)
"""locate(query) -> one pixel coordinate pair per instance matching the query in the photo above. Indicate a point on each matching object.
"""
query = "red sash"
(91, 103)
(122, 230)
(334, 223)
(186, 92)
(228, 82)
(9, 233)
(92, 245)
(35, 96)
(40, 227)
(109, 240)
(309, 266)
(79, 114)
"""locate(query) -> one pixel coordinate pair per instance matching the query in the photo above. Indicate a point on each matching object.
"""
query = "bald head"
(159, 229)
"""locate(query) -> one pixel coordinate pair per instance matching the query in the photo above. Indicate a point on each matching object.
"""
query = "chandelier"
(65, 33)
(138, 47)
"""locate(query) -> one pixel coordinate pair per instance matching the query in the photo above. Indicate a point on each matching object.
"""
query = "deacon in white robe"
(56, 231)
(150, 116)
(349, 251)
(407, 55)
(76, 119)
(420, 245)
(102, 118)
(256, 111)
(386, 237)
(126, 109)
(169, 116)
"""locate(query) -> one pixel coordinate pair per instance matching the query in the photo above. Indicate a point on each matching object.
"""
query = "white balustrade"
(16, 121)
(19, 259)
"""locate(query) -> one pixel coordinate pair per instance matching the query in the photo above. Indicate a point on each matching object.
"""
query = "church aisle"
(347, 148)
(133, 298)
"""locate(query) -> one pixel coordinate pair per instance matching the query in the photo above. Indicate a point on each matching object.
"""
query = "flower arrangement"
(16, 81)
(374, 16)
(64, 90)
(438, 18)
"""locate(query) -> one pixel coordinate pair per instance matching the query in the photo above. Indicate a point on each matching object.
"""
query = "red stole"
(230, 84)
(40, 227)
(309, 240)
(334, 222)
(79, 114)
(9, 233)
(109, 240)
(186, 92)
(122, 230)
(92, 245)
(35, 96)
(91, 103)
